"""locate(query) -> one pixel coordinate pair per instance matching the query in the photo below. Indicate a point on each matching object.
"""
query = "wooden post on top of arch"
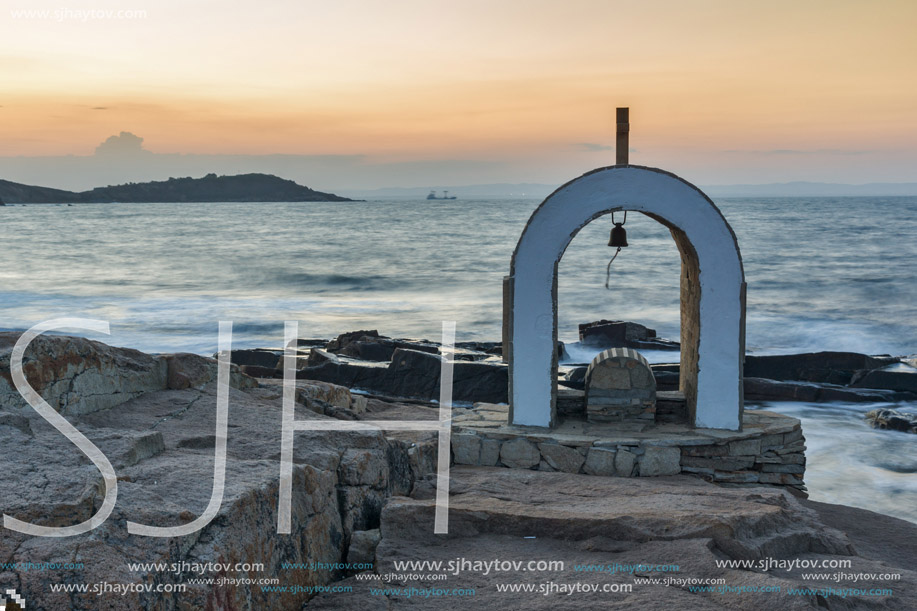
(622, 144)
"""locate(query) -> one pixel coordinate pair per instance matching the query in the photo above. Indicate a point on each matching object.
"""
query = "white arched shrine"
(712, 292)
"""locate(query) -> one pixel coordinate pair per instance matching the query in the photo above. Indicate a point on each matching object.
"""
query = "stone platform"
(770, 448)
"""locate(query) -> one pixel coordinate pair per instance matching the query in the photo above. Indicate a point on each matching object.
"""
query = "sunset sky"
(419, 92)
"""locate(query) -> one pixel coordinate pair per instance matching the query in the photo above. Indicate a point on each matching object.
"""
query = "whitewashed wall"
(533, 364)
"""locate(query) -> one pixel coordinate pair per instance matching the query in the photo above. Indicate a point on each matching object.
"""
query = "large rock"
(161, 443)
(822, 367)
(269, 359)
(742, 522)
(902, 380)
(382, 349)
(317, 357)
(815, 378)
(621, 334)
(351, 375)
(370, 346)
(76, 375)
(186, 370)
(416, 374)
(772, 390)
(892, 420)
(598, 530)
(473, 382)
(345, 338)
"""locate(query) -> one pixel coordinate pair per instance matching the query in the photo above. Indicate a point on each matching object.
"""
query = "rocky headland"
(367, 496)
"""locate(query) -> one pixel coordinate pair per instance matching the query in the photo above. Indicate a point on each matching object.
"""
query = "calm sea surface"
(823, 274)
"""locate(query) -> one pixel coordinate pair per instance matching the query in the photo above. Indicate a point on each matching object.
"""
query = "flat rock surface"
(590, 524)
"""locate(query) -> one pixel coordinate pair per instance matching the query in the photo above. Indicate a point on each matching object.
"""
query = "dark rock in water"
(382, 348)
(370, 346)
(376, 350)
(762, 389)
(350, 375)
(488, 382)
(615, 331)
(317, 356)
(903, 381)
(804, 377)
(621, 334)
(258, 357)
(892, 420)
(345, 338)
(416, 374)
(822, 367)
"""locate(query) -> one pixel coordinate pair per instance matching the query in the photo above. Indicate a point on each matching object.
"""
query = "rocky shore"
(366, 496)
(154, 418)
(410, 368)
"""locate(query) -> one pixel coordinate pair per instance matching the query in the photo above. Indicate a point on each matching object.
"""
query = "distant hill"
(210, 188)
(15, 193)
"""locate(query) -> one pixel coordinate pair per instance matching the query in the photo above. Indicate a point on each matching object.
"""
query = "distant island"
(210, 188)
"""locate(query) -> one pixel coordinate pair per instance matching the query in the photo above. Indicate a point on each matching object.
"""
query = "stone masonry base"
(770, 449)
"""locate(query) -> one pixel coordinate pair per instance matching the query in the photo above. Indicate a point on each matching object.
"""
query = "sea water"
(822, 273)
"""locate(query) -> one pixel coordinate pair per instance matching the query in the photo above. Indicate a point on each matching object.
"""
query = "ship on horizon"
(432, 195)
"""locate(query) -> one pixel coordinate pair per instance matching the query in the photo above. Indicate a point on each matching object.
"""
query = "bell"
(618, 237)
